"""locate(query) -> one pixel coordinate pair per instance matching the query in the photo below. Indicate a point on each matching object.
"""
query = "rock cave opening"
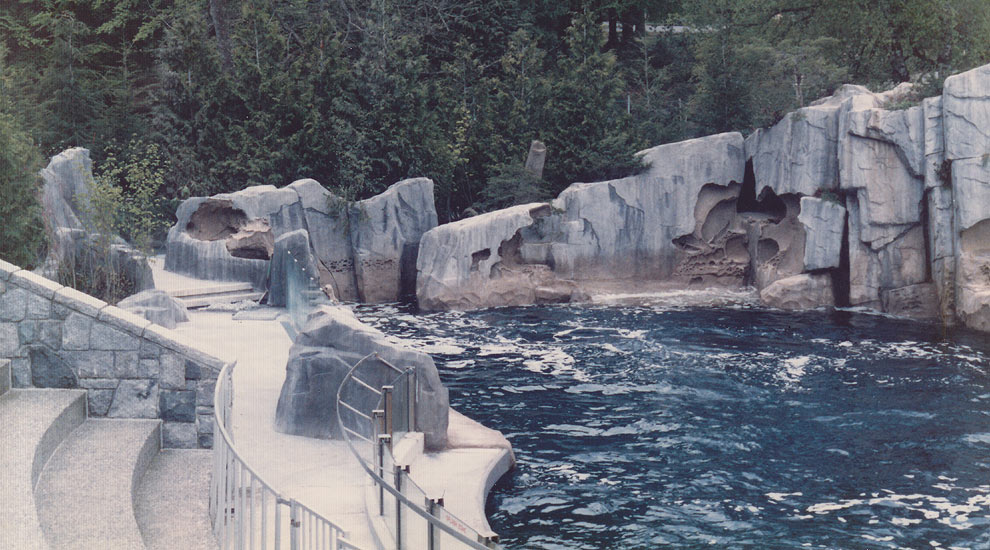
(215, 220)
(768, 203)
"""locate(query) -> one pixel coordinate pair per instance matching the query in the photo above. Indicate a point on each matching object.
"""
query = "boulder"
(65, 190)
(805, 291)
(824, 223)
(252, 240)
(156, 306)
(333, 341)
(385, 235)
(973, 276)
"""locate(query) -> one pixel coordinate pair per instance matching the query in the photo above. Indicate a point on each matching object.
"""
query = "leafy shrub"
(21, 237)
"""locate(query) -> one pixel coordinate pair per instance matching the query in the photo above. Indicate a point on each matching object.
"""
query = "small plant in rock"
(944, 173)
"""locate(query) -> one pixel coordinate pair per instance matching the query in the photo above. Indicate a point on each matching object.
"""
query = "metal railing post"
(387, 394)
(398, 508)
(294, 525)
(383, 439)
(432, 543)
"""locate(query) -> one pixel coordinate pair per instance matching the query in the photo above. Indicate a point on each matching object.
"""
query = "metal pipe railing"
(245, 510)
(439, 523)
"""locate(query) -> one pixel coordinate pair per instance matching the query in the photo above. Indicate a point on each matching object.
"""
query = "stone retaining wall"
(58, 337)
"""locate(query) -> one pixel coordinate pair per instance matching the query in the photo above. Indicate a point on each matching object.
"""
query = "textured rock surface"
(156, 306)
(824, 222)
(233, 236)
(57, 337)
(65, 201)
(803, 291)
(627, 226)
(386, 232)
(919, 301)
(293, 247)
(328, 346)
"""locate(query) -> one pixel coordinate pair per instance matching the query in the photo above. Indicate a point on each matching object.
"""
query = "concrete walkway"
(321, 474)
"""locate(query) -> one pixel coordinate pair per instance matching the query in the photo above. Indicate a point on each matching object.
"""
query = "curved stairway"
(68, 481)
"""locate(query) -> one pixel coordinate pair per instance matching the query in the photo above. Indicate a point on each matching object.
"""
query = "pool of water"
(727, 427)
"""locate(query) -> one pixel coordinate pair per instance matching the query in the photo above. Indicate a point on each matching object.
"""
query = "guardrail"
(414, 520)
(246, 511)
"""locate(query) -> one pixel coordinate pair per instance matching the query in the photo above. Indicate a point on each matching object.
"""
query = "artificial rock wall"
(365, 250)
(843, 202)
(57, 337)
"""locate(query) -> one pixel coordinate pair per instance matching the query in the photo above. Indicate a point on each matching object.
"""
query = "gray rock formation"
(824, 222)
(74, 241)
(156, 306)
(482, 261)
(805, 291)
(333, 341)
(627, 226)
(364, 250)
(385, 235)
(291, 248)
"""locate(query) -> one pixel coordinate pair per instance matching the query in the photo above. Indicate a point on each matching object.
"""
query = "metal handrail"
(241, 500)
(432, 520)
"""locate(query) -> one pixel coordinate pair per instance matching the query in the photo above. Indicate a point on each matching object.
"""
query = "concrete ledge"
(35, 283)
(7, 269)
(182, 345)
(79, 301)
(123, 320)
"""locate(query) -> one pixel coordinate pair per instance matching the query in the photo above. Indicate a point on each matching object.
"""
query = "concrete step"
(223, 298)
(85, 493)
(172, 501)
(32, 425)
(212, 288)
(5, 380)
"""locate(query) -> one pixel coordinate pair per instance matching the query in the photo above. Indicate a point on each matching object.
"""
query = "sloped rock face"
(332, 342)
(359, 251)
(65, 202)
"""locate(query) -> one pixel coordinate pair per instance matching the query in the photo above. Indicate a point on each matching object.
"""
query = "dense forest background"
(177, 98)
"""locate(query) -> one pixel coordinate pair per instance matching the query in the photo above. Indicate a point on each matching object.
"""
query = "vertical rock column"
(966, 124)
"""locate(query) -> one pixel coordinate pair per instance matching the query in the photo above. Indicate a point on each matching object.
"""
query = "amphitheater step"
(172, 501)
(32, 425)
(85, 492)
(210, 288)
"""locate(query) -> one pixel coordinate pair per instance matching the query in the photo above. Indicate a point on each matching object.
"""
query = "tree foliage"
(360, 94)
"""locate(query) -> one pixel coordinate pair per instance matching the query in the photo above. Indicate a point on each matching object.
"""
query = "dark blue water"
(647, 427)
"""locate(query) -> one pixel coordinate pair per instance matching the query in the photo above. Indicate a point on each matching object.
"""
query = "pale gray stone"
(35, 284)
(966, 111)
(105, 337)
(9, 340)
(99, 383)
(75, 331)
(123, 320)
(135, 399)
(127, 365)
(177, 406)
(41, 332)
(38, 307)
(173, 371)
(204, 391)
(91, 364)
(971, 191)
(824, 222)
(934, 141)
(292, 252)
(805, 291)
(78, 301)
(13, 304)
(179, 435)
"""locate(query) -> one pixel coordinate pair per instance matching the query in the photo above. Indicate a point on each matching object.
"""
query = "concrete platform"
(33, 422)
(171, 503)
(84, 494)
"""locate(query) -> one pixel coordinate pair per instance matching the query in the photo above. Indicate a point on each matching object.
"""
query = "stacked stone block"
(57, 337)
